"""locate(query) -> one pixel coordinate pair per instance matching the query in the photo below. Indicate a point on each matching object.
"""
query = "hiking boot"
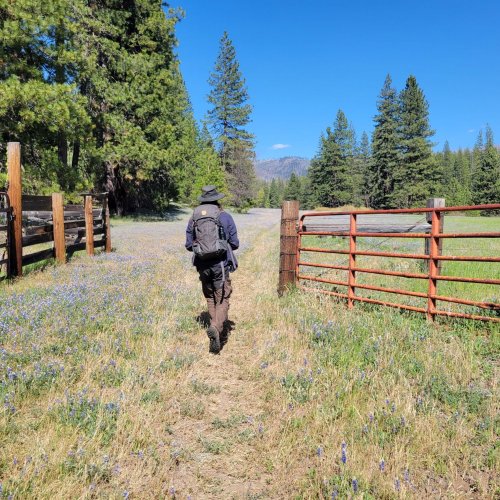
(213, 335)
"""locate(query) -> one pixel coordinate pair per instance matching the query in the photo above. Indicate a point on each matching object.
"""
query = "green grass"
(108, 390)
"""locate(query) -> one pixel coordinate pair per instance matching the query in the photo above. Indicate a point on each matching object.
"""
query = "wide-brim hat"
(210, 193)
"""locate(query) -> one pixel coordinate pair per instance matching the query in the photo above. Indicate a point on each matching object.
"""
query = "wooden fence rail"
(355, 229)
(30, 220)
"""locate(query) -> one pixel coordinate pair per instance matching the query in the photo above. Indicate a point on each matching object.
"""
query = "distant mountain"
(281, 167)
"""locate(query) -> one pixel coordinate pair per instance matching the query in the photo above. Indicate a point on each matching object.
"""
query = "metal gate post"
(351, 291)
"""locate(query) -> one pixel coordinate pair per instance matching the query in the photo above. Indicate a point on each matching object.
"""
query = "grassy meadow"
(107, 388)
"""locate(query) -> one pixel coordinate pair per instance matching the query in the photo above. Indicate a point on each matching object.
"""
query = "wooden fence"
(28, 222)
(366, 224)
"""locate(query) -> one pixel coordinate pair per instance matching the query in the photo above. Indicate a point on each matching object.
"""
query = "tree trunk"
(114, 186)
(60, 77)
(76, 155)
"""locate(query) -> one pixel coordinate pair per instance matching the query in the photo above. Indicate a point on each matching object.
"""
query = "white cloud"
(471, 130)
(280, 146)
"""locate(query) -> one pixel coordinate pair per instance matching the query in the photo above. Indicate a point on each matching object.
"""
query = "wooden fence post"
(435, 203)
(15, 196)
(89, 226)
(107, 225)
(434, 263)
(289, 241)
(58, 227)
(352, 261)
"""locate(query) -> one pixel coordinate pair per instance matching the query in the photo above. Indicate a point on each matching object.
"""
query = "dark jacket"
(232, 237)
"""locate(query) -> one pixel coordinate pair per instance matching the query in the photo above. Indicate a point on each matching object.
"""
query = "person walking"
(212, 236)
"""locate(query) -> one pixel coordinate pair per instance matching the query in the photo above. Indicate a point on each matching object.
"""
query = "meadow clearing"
(108, 389)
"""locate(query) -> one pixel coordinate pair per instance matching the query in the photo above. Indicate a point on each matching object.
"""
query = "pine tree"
(39, 105)
(143, 126)
(447, 163)
(274, 194)
(477, 152)
(94, 92)
(385, 152)
(228, 117)
(486, 181)
(331, 170)
(418, 175)
(363, 163)
(293, 190)
(207, 169)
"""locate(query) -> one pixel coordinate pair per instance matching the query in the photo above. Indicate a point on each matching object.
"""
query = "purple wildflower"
(397, 485)
(344, 453)
(355, 485)
(381, 465)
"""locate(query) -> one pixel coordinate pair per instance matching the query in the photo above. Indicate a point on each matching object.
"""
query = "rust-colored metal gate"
(354, 231)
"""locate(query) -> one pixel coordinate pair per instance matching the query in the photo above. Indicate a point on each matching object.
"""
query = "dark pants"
(217, 292)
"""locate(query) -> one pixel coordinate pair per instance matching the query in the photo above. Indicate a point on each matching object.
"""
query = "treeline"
(94, 93)
(397, 168)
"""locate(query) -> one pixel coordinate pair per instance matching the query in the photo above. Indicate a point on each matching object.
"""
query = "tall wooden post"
(58, 227)
(107, 225)
(89, 226)
(435, 203)
(15, 196)
(351, 290)
(289, 242)
(433, 263)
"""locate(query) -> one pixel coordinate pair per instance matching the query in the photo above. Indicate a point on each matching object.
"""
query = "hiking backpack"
(209, 237)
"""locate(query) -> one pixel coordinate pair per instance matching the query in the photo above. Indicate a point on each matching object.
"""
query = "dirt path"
(221, 403)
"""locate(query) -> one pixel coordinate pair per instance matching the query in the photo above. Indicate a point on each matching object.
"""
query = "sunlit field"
(108, 389)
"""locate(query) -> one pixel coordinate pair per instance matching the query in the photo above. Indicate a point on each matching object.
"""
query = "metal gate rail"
(433, 258)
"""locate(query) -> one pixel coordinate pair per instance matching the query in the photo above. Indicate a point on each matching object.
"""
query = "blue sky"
(304, 60)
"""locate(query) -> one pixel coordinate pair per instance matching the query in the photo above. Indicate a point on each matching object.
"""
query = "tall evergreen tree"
(486, 180)
(228, 117)
(331, 170)
(94, 92)
(363, 164)
(385, 152)
(293, 189)
(274, 194)
(143, 126)
(477, 152)
(418, 176)
(39, 105)
(447, 163)
(207, 169)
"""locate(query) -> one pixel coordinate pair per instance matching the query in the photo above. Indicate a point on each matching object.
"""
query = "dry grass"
(109, 390)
